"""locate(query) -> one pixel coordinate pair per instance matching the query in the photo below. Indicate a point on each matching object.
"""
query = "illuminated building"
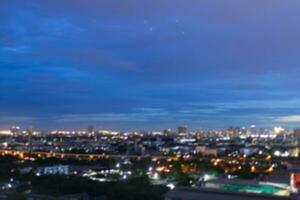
(295, 177)
(206, 151)
(50, 170)
(5, 132)
(213, 194)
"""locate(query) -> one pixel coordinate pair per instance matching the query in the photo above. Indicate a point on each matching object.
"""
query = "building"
(252, 186)
(212, 194)
(297, 136)
(206, 151)
(50, 170)
(5, 133)
(182, 130)
(294, 176)
(167, 132)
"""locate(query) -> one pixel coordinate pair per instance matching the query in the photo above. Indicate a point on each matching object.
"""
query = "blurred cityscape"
(252, 162)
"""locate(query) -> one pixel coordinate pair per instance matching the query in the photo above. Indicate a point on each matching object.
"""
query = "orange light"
(253, 169)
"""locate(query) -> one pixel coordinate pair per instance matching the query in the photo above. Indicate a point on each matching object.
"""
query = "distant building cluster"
(269, 155)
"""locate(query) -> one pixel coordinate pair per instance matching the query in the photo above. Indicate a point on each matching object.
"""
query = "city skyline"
(140, 65)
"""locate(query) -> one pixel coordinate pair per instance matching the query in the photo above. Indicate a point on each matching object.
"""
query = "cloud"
(207, 63)
(289, 119)
(144, 115)
(17, 119)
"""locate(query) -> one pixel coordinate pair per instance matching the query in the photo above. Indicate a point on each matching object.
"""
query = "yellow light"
(253, 169)
(269, 170)
(269, 157)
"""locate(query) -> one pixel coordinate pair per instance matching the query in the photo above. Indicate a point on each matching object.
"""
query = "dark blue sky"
(137, 64)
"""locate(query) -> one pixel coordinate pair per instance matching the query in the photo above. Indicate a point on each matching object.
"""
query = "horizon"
(173, 129)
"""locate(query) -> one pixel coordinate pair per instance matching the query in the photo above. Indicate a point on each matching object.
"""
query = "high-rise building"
(233, 132)
(297, 136)
(167, 131)
(30, 133)
(182, 129)
(15, 130)
(90, 129)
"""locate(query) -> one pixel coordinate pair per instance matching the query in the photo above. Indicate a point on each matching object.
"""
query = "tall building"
(167, 131)
(30, 133)
(15, 130)
(90, 130)
(233, 132)
(297, 136)
(182, 130)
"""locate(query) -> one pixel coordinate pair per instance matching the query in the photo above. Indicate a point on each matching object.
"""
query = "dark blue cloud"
(149, 64)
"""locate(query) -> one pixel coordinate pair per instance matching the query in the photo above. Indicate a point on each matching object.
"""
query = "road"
(23, 154)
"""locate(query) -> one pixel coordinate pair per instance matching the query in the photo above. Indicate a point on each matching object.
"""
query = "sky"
(149, 65)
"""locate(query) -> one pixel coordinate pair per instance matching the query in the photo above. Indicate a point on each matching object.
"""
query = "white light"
(208, 177)
(285, 154)
(171, 186)
(155, 176)
(277, 153)
(278, 130)
(5, 132)
(205, 177)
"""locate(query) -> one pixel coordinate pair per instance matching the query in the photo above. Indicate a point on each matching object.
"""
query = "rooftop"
(212, 194)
